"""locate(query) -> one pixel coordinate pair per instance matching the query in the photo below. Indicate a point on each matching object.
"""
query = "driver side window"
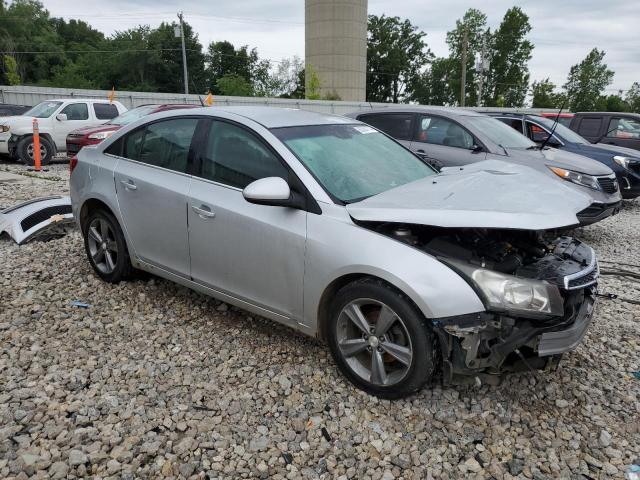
(76, 111)
(441, 131)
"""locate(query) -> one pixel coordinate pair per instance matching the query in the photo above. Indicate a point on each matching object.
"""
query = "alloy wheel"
(31, 150)
(103, 247)
(374, 342)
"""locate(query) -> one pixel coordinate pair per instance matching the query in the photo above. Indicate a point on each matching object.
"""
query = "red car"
(93, 135)
(563, 118)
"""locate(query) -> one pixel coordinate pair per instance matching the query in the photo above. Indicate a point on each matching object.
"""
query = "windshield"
(43, 110)
(561, 130)
(352, 162)
(132, 115)
(499, 133)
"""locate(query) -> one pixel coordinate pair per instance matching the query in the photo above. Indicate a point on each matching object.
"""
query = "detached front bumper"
(489, 345)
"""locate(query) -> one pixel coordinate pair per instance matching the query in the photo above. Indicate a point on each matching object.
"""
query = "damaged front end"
(539, 297)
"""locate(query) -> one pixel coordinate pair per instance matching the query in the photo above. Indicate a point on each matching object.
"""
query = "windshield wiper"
(533, 147)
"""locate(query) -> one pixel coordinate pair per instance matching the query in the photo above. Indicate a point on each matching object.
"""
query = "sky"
(563, 32)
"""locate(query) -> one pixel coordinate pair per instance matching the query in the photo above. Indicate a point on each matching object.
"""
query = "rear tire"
(380, 340)
(106, 247)
(25, 153)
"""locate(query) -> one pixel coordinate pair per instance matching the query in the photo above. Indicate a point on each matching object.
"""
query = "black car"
(610, 128)
(8, 110)
(625, 162)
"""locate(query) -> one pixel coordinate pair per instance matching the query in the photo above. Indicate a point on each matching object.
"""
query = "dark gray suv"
(448, 137)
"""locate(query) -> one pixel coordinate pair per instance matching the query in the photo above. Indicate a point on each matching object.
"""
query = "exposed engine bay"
(503, 339)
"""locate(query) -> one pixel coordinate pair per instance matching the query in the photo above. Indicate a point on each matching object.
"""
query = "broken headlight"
(502, 292)
(578, 178)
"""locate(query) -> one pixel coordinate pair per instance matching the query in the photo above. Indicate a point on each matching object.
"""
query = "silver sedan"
(329, 226)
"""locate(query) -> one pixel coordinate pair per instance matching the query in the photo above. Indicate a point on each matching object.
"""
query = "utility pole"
(481, 67)
(184, 56)
(463, 80)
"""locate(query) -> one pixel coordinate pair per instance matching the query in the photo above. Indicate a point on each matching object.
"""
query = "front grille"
(635, 167)
(589, 279)
(608, 184)
(43, 215)
(584, 278)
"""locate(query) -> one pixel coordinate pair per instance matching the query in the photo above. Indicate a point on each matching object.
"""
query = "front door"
(152, 184)
(77, 117)
(444, 143)
(252, 252)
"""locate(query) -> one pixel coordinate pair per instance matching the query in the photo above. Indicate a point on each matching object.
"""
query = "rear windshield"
(43, 110)
(352, 162)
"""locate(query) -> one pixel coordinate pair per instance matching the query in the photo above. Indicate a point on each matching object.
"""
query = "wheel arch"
(329, 293)
(92, 204)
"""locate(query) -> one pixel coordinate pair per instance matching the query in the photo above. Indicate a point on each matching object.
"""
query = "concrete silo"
(336, 46)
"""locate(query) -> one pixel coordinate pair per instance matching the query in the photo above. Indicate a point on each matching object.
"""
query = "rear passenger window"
(590, 127)
(162, 144)
(105, 111)
(236, 157)
(396, 125)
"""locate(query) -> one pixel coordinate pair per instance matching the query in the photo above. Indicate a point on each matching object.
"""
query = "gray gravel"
(153, 380)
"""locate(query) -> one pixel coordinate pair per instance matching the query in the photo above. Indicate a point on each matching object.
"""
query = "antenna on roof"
(555, 124)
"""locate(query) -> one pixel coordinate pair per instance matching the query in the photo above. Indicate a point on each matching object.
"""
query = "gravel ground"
(153, 380)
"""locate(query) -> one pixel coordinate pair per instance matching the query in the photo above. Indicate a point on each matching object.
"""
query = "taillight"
(72, 164)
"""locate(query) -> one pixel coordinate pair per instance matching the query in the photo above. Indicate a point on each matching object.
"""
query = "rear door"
(444, 142)
(152, 180)
(252, 252)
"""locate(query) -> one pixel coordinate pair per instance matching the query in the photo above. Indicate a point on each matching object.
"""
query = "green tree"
(396, 53)
(586, 82)
(312, 83)
(434, 85)
(234, 85)
(473, 26)
(633, 97)
(545, 96)
(612, 103)
(510, 53)
(11, 70)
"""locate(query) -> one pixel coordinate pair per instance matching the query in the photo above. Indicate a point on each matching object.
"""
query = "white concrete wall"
(25, 95)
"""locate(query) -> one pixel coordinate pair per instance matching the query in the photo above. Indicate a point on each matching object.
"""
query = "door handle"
(128, 184)
(203, 211)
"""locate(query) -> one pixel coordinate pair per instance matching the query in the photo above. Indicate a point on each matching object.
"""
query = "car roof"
(275, 117)
(447, 111)
(616, 114)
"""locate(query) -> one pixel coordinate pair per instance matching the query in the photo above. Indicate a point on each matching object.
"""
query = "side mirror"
(61, 117)
(272, 191)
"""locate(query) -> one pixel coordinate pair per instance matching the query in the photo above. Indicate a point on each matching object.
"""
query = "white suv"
(56, 118)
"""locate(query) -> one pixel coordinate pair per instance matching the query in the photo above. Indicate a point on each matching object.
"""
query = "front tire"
(25, 151)
(380, 340)
(106, 247)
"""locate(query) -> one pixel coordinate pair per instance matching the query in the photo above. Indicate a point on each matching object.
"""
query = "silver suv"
(329, 226)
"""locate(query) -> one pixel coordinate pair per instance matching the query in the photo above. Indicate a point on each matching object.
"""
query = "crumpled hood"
(488, 194)
(570, 161)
